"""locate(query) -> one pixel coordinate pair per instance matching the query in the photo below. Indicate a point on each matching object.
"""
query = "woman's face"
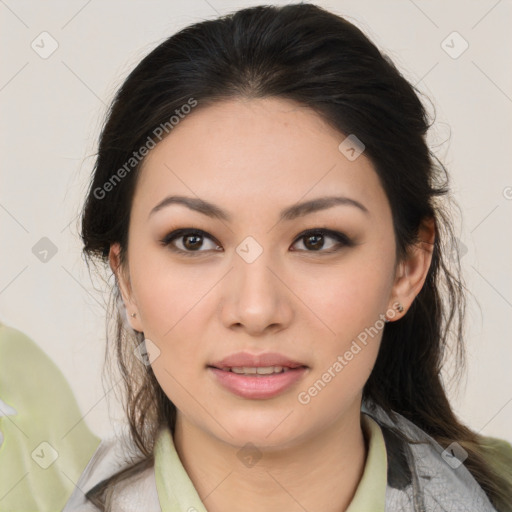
(254, 280)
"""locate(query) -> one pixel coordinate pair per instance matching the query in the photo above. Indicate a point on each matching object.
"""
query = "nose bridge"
(257, 296)
(255, 280)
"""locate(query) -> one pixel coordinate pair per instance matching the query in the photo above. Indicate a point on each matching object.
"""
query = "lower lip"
(264, 386)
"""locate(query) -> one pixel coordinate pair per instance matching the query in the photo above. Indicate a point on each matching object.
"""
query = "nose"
(256, 297)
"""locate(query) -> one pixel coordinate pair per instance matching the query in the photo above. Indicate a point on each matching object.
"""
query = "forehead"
(257, 150)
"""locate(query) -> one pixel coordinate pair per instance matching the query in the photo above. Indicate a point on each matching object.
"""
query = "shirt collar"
(176, 492)
(371, 491)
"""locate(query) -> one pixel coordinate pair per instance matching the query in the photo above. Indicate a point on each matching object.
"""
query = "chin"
(266, 430)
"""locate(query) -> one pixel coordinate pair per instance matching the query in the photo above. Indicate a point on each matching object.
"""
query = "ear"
(123, 281)
(412, 272)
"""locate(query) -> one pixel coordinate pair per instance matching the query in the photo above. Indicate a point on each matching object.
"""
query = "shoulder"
(421, 471)
(136, 492)
(42, 409)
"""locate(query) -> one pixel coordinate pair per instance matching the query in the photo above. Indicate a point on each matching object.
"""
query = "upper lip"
(245, 359)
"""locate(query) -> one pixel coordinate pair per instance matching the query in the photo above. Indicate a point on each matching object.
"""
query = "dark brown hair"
(306, 54)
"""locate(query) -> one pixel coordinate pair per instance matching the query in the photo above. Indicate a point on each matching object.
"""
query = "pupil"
(195, 244)
(316, 244)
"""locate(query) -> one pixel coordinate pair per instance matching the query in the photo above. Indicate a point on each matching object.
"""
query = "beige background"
(52, 109)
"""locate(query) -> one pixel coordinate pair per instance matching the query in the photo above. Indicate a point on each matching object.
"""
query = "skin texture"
(253, 158)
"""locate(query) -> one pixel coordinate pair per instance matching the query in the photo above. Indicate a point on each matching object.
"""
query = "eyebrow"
(287, 214)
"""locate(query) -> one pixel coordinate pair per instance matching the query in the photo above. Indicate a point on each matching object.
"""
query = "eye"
(191, 241)
(314, 240)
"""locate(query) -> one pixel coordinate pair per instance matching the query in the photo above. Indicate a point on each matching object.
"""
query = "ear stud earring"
(398, 306)
(133, 315)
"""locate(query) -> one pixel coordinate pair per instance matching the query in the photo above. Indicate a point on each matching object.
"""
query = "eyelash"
(342, 239)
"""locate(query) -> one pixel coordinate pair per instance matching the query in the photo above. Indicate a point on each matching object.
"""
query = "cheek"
(350, 300)
(349, 297)
(174, 303)
(171, 311)
(166, 293)
(350, 308)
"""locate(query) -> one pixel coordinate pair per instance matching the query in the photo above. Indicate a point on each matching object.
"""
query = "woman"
(266, 199)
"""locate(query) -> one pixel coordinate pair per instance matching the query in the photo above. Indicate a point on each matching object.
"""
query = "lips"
(257, 376)
(265, 360)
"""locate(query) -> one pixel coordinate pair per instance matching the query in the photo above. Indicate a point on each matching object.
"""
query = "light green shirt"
(44, 442)
(177, 493)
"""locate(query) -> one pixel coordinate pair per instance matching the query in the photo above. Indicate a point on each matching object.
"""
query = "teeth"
(245, 369)
(265, 370)
(260, 370)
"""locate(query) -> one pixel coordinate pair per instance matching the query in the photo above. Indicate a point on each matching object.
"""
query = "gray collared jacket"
(421, 477)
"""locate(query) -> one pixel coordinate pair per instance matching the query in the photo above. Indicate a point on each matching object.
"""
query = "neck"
(321, 472)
